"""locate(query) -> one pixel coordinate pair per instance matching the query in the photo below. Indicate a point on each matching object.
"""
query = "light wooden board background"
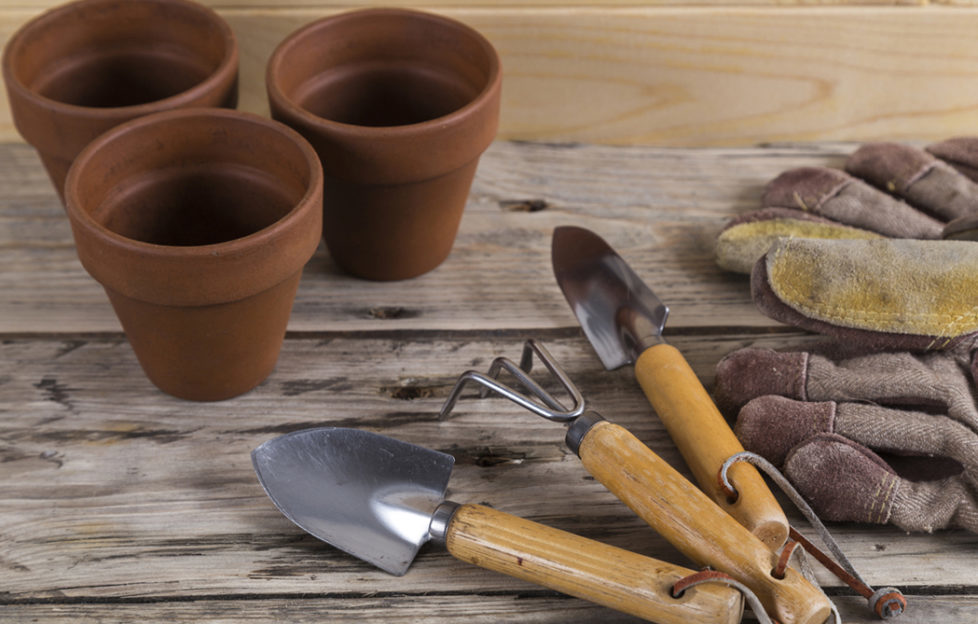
(683, 74)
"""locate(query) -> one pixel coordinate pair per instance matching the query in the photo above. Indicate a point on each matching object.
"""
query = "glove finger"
(745, 240)
(840, 197)
(746, 374)
(959, 152)
(914, 433)
(937, 382)
(884, 293)
(772, 425)
(932, 381)
(926, 446)
(841, 480)
(845, 481)
(962, 228)
(918, 177)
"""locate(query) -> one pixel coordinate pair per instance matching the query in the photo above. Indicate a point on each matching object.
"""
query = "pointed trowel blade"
(366, 494)
(619, 314)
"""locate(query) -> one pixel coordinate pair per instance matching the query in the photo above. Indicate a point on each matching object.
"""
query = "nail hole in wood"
(391, 313)
(523, 205)
(410, 393)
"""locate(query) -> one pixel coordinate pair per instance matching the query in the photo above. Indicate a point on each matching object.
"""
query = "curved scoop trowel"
(623, 320)
(381, 499)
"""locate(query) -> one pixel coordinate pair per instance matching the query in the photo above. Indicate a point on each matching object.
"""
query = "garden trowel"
(623, 319)
(653, 489)
(381, 499)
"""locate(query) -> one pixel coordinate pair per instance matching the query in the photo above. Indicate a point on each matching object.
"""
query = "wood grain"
(116, 490)
(706, 441)
(266, 5)
(609, 576)
(660, 208)
(694, 524)
(119, 503)
(526, 608)
(707, 75)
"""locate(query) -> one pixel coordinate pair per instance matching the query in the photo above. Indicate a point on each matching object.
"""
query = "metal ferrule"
(579, 429)
(438, 529)
(639, 329)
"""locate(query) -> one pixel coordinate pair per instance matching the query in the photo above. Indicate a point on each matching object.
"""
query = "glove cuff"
(878, 294)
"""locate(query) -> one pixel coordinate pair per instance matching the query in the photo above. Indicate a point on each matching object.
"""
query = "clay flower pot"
(197, 222)
(399, 105)
(81, 68)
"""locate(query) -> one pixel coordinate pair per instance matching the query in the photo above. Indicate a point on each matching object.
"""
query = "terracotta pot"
(399, 105)
(81, 68)
(197, 222)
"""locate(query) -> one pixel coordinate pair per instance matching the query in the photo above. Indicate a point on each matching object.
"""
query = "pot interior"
(125, 77)
(376, 68)
(188, 178)
(196, 204)
(392, 93)
(112, 54)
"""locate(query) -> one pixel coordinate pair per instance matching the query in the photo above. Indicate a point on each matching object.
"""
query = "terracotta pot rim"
(227, 66)
(236, 246)
(404, 131)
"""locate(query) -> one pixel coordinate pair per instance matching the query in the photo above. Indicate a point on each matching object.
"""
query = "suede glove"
(879, 254)
(881, 437)
(886, 190)
(880, 425)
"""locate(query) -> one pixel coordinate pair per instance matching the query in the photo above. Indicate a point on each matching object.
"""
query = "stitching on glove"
(801, 202)
(882, 497)
(950, 332)
(927, 168)
(831, 193)
(804, 377)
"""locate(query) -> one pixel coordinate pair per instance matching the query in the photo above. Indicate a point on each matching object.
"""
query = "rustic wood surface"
(119, 503)
(670, 72)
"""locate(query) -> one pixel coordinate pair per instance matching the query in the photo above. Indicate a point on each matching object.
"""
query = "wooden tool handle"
(694, 524)
(705, 440)
(580, 567)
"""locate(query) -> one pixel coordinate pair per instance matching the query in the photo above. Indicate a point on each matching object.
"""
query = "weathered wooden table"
(120, 503)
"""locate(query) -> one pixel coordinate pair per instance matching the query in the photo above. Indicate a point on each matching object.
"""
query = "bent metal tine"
(526, 363)
(491, 384)
(552, 408)
(520, 373)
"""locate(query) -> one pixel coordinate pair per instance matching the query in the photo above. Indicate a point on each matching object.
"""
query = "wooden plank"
(430, 609)
(267, 5)
(660, 207)
(694, 76)
(120, 503)
(115, 491)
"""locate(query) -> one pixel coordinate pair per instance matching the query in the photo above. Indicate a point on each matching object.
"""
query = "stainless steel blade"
(366, 494)
(620, 315)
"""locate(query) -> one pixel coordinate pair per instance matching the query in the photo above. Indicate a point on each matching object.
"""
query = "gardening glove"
(835, 252)
(881, 425)
(865, 201)
(866, 437)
